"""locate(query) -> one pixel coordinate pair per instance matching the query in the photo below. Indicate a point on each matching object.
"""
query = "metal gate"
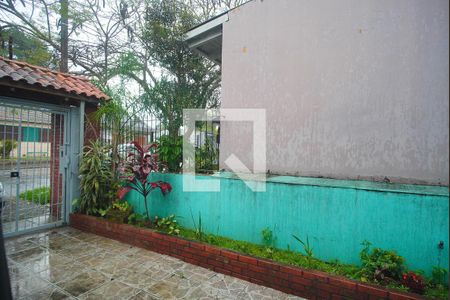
(33, 164)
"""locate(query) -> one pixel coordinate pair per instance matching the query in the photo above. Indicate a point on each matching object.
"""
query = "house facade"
(352, 89)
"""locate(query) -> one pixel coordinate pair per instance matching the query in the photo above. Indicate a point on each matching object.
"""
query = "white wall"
(352, 88)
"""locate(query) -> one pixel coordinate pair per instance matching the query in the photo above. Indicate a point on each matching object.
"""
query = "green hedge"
(39, 195)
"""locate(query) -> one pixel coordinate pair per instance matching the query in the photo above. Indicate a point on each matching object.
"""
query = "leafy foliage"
(96, 179)
(100, 32)
(206, 157)
(115, 114)
(282, 256)
(414, 282)
(40, 195)
(168, 224)
(27, 48)
(267, 236)
(136, 170)
(380, 265)
(187, 79)
(438, 276)
(268, 240)
(198, 227)
(118, 212)
(298, 259)
(170, 151)
(6, 147)
(137, 220)
(306, 248)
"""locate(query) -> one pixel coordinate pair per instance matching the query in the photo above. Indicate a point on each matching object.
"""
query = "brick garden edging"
(293, 280)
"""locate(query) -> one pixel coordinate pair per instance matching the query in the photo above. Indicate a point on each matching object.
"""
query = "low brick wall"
(304, 283)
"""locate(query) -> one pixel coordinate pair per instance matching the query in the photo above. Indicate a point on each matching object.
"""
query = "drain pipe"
(82, 108)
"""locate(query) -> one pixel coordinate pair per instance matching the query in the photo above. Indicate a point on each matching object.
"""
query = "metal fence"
(147, 129)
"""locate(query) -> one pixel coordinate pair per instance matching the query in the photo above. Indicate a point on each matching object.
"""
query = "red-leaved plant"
(138, 166)
(413, 282)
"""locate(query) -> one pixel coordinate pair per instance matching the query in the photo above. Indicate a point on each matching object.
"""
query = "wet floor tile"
(112, 290)
(83, 282)
(26, 284)
(70, 231)
(28, 254)
(18, 245)
(95, 259)
(66, 263)
(115, 265)
(77, 251)
(142, 295)
(83, 236)
(167, 290)
(144, 278)
(45, 261)
(16, 272)
(57, 273)
(48, 293)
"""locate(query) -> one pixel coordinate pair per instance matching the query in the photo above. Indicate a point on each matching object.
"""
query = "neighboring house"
(35, 131)
(352, 89)
(135, 129)
(208, 132)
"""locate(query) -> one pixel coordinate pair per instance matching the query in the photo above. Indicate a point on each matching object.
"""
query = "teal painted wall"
(30, 134)
(336, 215)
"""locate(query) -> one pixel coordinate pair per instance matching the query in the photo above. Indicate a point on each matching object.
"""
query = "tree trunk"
(10, 47)
(146, 208)
(115, 140)
(64, 62)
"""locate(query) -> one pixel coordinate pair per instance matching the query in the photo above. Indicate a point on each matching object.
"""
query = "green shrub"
(137, 220)
(170, 152)
(118, 212)
(206, 157)
(39, 195)
(380, 265)
(268, 241)
(438, 276)
(6, 147)
(96, 179)
(168, 224)
(199, 234)
(307, 249)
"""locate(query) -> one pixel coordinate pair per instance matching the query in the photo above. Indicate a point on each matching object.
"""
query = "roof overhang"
(206, 38)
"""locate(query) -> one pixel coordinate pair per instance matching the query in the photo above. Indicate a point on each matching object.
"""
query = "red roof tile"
(42, 77)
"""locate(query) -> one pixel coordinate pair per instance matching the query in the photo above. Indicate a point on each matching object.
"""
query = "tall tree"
(185, 80)
(64, 24)
(107, 30)
(32, 18)
(26, 48)
(87, 35)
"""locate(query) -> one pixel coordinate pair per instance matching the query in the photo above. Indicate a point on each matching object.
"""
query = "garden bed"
(293, 280)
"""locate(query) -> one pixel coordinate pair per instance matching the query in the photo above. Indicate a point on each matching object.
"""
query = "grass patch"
(38, 195)
(283, 256)
(297, 259)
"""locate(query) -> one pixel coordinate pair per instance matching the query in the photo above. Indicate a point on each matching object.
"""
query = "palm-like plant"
(137, 168)
(96, 178)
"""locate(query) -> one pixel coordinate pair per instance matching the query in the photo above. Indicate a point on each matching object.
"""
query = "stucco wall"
(353, 89)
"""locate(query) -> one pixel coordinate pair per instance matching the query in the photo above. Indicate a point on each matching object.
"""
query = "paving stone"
(66, 263)
(48, 293)
(112, 290)
(83, 282)
(28, 254)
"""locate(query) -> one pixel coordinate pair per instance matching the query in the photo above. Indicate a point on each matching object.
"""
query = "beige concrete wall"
(352, 88)
(33, 149)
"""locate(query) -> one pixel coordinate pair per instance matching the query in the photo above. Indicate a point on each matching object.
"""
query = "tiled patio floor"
(66, 263)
